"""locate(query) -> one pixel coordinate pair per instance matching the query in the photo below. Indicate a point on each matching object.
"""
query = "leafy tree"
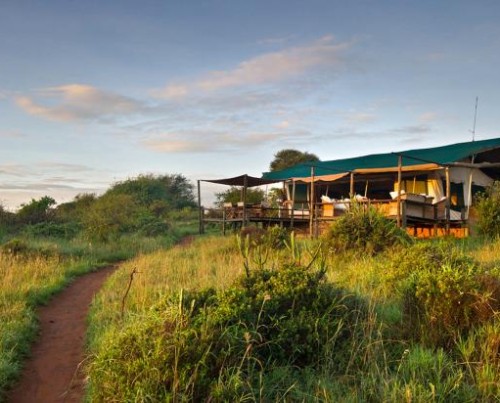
(37, 211)
(112, 215)
(289, 157)
(76, 209)
(488, 207)
(158, 192)
(233, 195)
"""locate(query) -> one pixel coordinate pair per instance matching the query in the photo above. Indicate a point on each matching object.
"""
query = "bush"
(488, 209)
(364, 229)
(53, 230)
(220, 346)
(444, 293)
(273, 237)
(15, 247)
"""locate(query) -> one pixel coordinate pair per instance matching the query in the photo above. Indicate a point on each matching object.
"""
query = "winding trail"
(52, 373)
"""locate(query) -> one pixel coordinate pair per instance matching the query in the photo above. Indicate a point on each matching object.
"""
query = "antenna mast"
(473, 131)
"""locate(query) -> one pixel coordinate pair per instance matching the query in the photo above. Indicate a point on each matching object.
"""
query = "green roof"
(443, 155)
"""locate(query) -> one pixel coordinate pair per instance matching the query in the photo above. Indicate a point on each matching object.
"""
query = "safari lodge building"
(429, 192)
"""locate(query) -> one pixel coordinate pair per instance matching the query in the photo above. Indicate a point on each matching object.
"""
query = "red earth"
(53, 371)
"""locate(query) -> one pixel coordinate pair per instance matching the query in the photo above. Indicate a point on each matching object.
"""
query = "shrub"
(364, 229)
(53, 230)
(444, 293)
(488, 209)
(219, 346)
(15, 247)
(273, 237)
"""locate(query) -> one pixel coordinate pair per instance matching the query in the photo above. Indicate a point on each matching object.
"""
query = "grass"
(384, 360)
(40, 268)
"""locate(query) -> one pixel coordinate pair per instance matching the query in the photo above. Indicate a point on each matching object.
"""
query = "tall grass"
(33, 270)
(132, 339)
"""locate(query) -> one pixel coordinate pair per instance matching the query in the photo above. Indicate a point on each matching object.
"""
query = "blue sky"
(93, 92)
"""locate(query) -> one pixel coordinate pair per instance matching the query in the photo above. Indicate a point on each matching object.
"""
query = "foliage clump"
(488, 208)
(274, 237)
(445, 293)
(363, 228)
(222, 346)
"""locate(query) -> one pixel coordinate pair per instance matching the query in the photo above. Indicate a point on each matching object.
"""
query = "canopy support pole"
(245, 184)
(311, 205)
(351, 186)
(448, 200)
(293, 203)
(200, 210)
(398, 207)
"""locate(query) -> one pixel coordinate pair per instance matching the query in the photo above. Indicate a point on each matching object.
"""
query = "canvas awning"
(322, 178)
(243, 180)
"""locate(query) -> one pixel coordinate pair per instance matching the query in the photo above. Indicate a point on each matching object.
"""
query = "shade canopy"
(419, 159)
(243, 180)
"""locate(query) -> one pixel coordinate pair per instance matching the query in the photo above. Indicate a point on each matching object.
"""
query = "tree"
(233, 195)
(36, 211)
(173, 191)
(76, 209)
(289, 157)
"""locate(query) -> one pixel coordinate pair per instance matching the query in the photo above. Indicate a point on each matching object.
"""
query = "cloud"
(415, 129)
(193, 141)
(428, 117)
(11, 134)
(74, 102)
(360, 117)
(265, 69)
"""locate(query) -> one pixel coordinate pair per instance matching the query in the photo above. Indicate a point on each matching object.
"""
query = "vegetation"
(414, 322)
(289, 157)
(365, 229)
(234, 195)
(488, 206)
(364, 314)
(43, 246)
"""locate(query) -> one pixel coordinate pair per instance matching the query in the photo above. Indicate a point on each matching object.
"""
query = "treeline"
(145, 205)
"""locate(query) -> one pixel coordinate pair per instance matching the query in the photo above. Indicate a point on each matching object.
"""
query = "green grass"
(41, 268)
(131, 343)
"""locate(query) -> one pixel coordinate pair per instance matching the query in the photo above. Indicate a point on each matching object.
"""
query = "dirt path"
(52, 373)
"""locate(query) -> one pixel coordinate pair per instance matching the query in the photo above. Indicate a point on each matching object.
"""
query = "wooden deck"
(419, 216)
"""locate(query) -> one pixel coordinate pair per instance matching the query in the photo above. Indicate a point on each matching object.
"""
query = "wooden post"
(245, 184)
(448, 200)
(224, 221)
(311, 205)
(293, 203)
(200, 210)
(398, 207)
(351, 186)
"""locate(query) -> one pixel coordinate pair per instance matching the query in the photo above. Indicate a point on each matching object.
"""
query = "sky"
(97, 91)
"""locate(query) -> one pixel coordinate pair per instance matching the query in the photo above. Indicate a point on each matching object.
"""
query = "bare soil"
(53, 372)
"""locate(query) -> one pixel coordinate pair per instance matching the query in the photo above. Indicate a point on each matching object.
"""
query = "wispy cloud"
(428, 117)
(268, 68)
(354, 117)
(74, 102)
(212, 141)
(11, 134)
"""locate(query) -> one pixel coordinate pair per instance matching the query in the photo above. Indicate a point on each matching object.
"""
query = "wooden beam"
(200, 210)
(311, 204)
(448, 200)
(398, 207)
(293, 203)
(351, 185)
